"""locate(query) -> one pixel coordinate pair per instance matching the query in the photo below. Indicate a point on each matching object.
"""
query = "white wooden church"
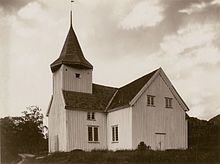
(87, 116)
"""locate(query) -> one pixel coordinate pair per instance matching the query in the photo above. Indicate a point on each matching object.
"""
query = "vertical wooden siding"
(123, 119)
(57, 82)
(71, 83)
(146, 121)
(77, 130)
(56, 119)
(65, 79)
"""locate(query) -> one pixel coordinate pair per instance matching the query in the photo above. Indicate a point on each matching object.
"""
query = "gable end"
(169, 85)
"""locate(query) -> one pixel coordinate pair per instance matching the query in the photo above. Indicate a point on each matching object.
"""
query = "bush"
(77, 150)
(143, 146)
(100, 150)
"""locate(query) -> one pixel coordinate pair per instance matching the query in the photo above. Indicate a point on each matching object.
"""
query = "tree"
(31, 130)
(203, 134)
(23, 134)
(9, 147)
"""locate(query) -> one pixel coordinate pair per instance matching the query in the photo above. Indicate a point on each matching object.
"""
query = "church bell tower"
(71, 71)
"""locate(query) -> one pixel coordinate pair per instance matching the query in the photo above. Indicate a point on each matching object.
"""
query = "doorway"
(56, 143)
(160, 141)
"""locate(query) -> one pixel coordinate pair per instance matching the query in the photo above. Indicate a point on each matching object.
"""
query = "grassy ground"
(10, 159)
(171, 156)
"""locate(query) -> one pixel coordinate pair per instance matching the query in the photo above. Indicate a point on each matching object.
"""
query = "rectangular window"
(150, 100)
(115, 133)
(90, 138)
(93, 116)
(168, 102)
(93, 134)
(77, 75)
(90, 115)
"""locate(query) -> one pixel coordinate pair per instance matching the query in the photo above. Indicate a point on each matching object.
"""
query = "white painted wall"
(71, 83)
(57, 82)
(77, 130)
(150, 120)
(64, 79)
(57, 116)
(135, 124)
(122, 118)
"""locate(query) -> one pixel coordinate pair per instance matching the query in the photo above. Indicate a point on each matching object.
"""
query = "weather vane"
(71, 2)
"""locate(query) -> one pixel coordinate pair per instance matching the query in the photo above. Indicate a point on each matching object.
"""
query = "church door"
(160, 140)
(56, 143)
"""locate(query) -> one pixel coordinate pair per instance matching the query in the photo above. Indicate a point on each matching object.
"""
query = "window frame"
(90, 134)
(151, 100)
(78, 75)
(93, 134)
(168, 102)
(91, 116)
(115, 132)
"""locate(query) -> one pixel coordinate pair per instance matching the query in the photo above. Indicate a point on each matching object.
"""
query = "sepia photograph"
(110, 81)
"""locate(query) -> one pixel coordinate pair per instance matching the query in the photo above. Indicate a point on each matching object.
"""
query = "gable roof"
(161, 73)
(173, 90)
(71, 54)
(97, 101)
(105, 98)
(126, 93)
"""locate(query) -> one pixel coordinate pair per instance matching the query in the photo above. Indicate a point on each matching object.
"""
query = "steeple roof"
(71, 54)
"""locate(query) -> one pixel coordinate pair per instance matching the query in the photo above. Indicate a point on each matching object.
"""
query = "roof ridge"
(110, 101)
(127, 92)
(76, 92)
(105, 86)
(138, 78)
(95, 101)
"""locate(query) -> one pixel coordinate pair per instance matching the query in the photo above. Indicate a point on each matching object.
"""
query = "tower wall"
(77, 80)
(57, 82)
(57, 116)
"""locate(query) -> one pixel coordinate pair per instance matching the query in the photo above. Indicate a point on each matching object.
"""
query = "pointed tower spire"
(71, 53)
(71, 19)
(71, 14)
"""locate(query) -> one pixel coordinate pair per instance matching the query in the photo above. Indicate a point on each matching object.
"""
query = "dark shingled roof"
(126, 93)
(71, 54)
(103, 95)
(97, 101)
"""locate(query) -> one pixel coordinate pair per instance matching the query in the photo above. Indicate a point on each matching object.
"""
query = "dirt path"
(25, 158)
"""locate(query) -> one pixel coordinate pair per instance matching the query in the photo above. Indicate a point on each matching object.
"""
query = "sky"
(123, 40)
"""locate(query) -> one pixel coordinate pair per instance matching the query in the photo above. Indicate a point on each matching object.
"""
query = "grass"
(10, 159)
(128, 157)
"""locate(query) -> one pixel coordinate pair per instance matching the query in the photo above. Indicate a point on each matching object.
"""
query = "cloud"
(185, 46)
(143, 14)
(32, 11)
(203, 92)
(199, 7)
(191, 58)
(215, 2)
(196, 7)
(191, 36)
(195, 78)
(201, 11)
(12, 6)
